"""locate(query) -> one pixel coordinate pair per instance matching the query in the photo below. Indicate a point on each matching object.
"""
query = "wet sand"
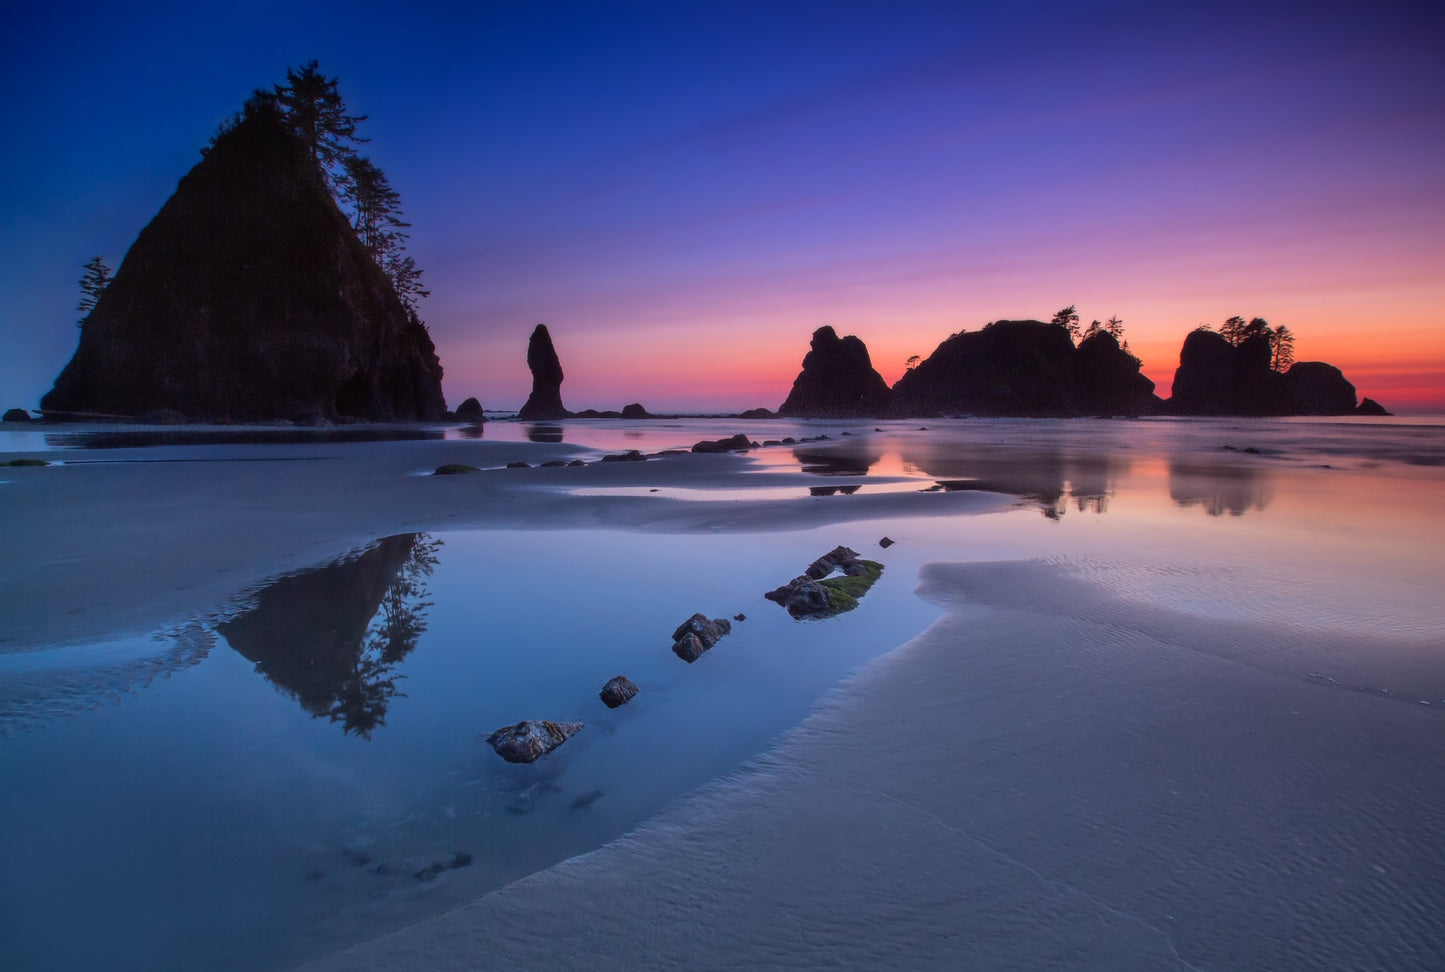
(1059, 785)
(1077, 767)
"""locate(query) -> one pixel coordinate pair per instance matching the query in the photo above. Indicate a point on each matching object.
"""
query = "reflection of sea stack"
(249, 296)
(837, 380)
(545, 402)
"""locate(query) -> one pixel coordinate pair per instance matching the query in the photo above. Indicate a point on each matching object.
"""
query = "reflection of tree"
(1218, 489)
(332, 637)
(1046, 476)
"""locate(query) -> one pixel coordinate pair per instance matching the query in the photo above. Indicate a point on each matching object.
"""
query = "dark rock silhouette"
(1007, 368)
(1369, 406)
(15, 415)
(837, 381)
(1316, 388)
(757, 413)
(1107, 379)
(545, 402)
(1215, 377)
(635, 411)
(470, 411)
(618, 691)
(733, 443)
(1218, 378)
(530, 740)
(249, 297)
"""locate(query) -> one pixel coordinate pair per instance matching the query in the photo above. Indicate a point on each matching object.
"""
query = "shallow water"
(259, 785)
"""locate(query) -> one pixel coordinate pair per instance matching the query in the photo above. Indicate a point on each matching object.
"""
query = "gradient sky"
(684, 191)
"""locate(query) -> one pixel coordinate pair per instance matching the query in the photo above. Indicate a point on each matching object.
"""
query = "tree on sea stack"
(1068, 319)
(250, 295)
(313, 107)
(92, 285)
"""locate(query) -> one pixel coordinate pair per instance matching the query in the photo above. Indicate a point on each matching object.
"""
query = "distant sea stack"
(249, 297)
(545, 402)
(1007, 368)
(1216, 377)
(837, 381)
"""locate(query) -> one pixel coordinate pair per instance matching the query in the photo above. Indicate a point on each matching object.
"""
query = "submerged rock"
(529, 740)
(437, 869)
(618, 691)
(632, 455)
(454, 469)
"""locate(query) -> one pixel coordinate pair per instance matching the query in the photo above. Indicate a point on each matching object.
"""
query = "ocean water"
(304, 766)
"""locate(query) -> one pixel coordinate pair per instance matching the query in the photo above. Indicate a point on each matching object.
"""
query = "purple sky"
(683, 192)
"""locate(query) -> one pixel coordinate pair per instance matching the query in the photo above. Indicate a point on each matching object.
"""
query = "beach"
(1159, 694)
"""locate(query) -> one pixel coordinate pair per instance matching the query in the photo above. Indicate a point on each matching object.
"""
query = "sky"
(683, 192)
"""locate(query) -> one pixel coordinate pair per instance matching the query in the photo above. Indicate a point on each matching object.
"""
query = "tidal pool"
(303, 766)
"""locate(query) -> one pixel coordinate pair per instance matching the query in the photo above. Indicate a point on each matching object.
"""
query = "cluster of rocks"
(696, 635)
(1033, 368)
(815, 594)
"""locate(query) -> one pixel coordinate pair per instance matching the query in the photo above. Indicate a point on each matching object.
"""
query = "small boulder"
(618, 691)
(454, 469)
(16, 415)
(732, 444)
(707, 631)
(470, 411)
(886, 542)
(635, 411)
(529, 740)
(519, 465)
(831, 561)
(689, 648)
(696, 635)
(631, 455)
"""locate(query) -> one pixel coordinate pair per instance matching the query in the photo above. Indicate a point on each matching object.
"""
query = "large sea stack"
(249, 297)
(1007, 368)
(837, 381)
(1215, 377)
(1107, 380)
(545, 402)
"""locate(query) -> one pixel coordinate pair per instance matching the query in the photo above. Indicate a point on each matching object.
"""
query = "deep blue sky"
(684, 191)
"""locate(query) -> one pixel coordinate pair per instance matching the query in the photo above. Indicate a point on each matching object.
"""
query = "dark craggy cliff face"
(249, 297)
